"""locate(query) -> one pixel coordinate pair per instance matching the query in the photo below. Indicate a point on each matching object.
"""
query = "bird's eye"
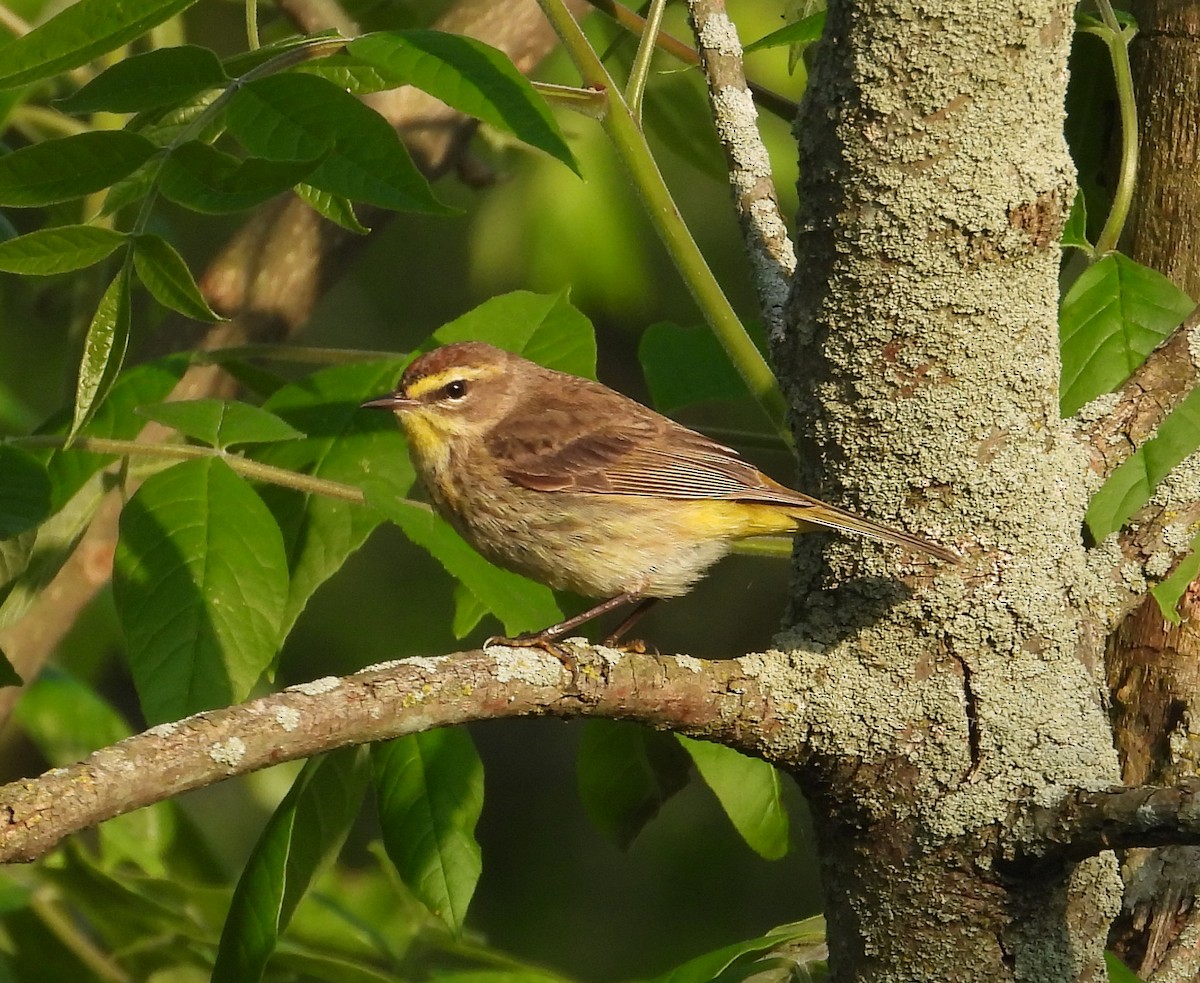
(455, 390)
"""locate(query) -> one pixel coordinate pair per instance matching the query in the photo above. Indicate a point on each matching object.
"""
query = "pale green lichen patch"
(525, 665)
(228, 753)
(316, 687)
(288, 718)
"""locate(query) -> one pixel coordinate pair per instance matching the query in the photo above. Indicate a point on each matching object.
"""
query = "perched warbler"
(574, 485)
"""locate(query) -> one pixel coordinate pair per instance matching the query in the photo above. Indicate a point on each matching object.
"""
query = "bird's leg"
(644, 605)
(546, 638)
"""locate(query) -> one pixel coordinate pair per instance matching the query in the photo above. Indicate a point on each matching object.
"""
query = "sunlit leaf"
(58, 250)
(1130, 486)
(164, 273)
(221, 423)
(336, 208)
(543, 327)
(1110, 320)
(749, 790)
(79, 33)
(70, 167)
(103, 349)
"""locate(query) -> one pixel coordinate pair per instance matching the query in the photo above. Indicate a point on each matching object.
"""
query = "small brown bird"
(574, 485)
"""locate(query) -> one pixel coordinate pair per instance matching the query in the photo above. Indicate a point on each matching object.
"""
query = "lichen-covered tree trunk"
(923, 355)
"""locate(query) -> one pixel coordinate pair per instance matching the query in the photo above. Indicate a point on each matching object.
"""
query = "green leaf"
(805, 31)
(713, 965)
(15, 554)
(749, 791)
(429, 788)
(58, 250)
(200, 584)
(336, 208)
(685, 366)
(1130, 486)
(78, 34)
(70, 167)
(206, 180)
(543, 327)
(626, 774)
(343, 440)
(25, 492)
(354, 75)
(1110, 320)
(103, 349)
(222, 423)
(161, 77)
(1169, 591)
(1118, 972)
(470, 76)
(285, 117)
(302, 835)
(164, 273)
(519, 603)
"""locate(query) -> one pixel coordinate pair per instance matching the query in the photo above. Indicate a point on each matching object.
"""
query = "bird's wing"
(615, 446)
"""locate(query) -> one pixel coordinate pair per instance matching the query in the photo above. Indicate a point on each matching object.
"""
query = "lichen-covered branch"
(772, 256)
(725, 701)
(1115, 426)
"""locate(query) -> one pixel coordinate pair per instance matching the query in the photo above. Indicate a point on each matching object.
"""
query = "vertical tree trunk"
(923, 354)
(1154, 667)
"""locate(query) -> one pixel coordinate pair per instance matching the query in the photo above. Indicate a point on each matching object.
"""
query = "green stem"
(634, 152)
(252, 41)
(182, 452)
(1117, 39)
(640, 70)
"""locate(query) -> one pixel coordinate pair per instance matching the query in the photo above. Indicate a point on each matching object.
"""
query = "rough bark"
(1151, 663)
(924, 356)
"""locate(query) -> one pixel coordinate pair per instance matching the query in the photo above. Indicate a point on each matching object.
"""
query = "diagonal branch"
(723, 700)
(772, 256)
(1132, 414)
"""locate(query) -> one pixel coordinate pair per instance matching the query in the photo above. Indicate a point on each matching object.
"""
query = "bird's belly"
(599, 545)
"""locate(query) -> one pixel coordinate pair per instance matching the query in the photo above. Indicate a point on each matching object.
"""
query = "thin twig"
(772, 255)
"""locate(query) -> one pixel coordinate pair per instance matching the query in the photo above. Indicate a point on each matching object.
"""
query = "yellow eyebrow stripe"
(431, 383)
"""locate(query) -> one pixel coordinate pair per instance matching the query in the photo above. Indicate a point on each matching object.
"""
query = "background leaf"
(24, 493)
(684, 366)
(206, 180)
(200, 583)
(429, 788)
(626, 773)
(303, 834)
(161, 77)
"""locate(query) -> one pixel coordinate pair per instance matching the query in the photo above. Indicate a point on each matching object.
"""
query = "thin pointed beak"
(392, 401)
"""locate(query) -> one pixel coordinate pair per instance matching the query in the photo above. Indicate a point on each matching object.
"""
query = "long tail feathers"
(832, 517)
